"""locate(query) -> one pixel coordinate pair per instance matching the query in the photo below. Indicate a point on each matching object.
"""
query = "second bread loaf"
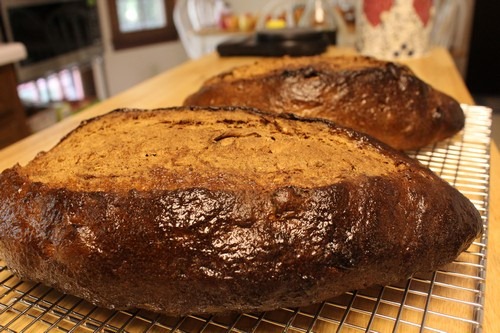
(382, 99)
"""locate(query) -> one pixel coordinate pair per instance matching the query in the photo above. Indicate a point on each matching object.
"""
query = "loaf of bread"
(382, 99)
(186, 210)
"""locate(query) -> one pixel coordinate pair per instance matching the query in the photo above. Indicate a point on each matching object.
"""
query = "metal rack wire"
(448, 300)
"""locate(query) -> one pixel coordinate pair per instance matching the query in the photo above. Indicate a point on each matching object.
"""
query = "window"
(141, 22)
(141, 15)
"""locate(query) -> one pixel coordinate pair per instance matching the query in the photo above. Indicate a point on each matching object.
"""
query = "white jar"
(394, 29)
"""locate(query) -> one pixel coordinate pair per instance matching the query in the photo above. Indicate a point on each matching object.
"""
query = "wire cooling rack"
(448, 300)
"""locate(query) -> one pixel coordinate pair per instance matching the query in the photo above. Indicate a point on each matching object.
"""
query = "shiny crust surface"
(245, 248)
(383, 99)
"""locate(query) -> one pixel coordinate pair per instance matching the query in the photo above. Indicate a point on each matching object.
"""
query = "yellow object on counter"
(276, 24)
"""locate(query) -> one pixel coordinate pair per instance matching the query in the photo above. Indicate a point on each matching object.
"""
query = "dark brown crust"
(198, 250)
(382, 99)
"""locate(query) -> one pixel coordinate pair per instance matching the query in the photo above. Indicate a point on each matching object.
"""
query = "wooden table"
(171, 87)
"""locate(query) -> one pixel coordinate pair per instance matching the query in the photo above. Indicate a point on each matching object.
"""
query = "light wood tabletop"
(171, 87)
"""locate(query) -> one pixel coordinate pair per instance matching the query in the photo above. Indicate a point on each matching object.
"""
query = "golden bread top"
(267, 65)
(168, 149)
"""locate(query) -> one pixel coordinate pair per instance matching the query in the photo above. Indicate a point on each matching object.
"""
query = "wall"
(126, 68)
(241, 7)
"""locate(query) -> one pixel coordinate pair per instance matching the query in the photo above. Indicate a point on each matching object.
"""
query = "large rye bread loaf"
(213, 210)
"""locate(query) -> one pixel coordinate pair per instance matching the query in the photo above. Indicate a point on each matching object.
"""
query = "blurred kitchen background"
(83, 51)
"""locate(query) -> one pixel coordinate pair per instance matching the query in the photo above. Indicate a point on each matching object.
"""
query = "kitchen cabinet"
(13, 125)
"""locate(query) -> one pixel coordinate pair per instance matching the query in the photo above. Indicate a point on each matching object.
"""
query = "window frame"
(123, 40)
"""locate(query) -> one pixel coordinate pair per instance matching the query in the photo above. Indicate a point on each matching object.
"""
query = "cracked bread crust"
(221, 244)
(383, 99)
